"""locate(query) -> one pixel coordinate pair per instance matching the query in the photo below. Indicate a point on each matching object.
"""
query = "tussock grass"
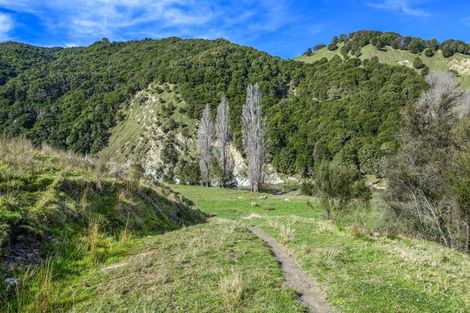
(231, 288)
(125, 234)
(37, 295)
(287, 233)
(93, 238)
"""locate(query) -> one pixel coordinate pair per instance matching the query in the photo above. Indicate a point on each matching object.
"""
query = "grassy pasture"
(361, 271)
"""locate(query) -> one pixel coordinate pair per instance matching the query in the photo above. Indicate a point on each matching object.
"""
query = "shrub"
(332, 47)
(458, 177)
(418, 63)
(425, 71)
(217, 175)
(338, 185)
(307, 188)
(429, 52)
(188, 172)
(428, 177)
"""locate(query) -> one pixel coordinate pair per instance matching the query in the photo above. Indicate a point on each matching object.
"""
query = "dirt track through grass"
(301, 282)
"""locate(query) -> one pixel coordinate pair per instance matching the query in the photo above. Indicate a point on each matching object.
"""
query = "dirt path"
(295, 278)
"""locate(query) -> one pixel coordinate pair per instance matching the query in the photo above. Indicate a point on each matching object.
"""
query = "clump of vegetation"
(338, 185)
(232, 288)
(188, 172)
(418, 63)
(428, 177)
(429, 52)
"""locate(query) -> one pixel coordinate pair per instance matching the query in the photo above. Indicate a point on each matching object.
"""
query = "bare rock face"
(271, 176)
(460, 65)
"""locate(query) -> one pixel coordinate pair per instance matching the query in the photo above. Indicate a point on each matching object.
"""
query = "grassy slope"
(362, 273)
(146, 112)
(156, 114)
(73, 210)
(394, 56)
(216, 267)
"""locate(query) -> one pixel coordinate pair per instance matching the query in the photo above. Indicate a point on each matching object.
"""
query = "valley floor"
(358, 273)
(222, 266)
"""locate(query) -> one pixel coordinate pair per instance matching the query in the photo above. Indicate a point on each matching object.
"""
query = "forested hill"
(72, 97)
(16, 58)
(391, 48)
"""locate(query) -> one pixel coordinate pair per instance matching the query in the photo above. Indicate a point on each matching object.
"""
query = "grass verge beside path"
(360, 273)
(212, 267)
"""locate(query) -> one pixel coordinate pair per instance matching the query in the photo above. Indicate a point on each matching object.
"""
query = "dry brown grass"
(287, 233)
(85, 194)
(329, 256)
(23, 157)
(93, 237)
(231, 289)
(359, 232)
(125, 234)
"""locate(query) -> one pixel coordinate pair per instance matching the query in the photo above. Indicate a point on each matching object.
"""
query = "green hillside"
(80, 97)
(393, 49)
(49, 199)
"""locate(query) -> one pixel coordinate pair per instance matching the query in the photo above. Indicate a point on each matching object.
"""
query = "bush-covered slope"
(75, 100)
(394, 49)
(343, 109)
(15, 58)
(48, 200)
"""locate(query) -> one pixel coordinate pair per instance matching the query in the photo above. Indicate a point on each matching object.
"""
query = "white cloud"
(6, 25)
(71, 45)
(87, 20)
(405, 6)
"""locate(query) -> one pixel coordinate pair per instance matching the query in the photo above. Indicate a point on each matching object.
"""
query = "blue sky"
(283, 28)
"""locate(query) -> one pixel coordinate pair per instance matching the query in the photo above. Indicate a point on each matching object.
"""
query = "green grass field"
(360, 273)
(220, 266)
